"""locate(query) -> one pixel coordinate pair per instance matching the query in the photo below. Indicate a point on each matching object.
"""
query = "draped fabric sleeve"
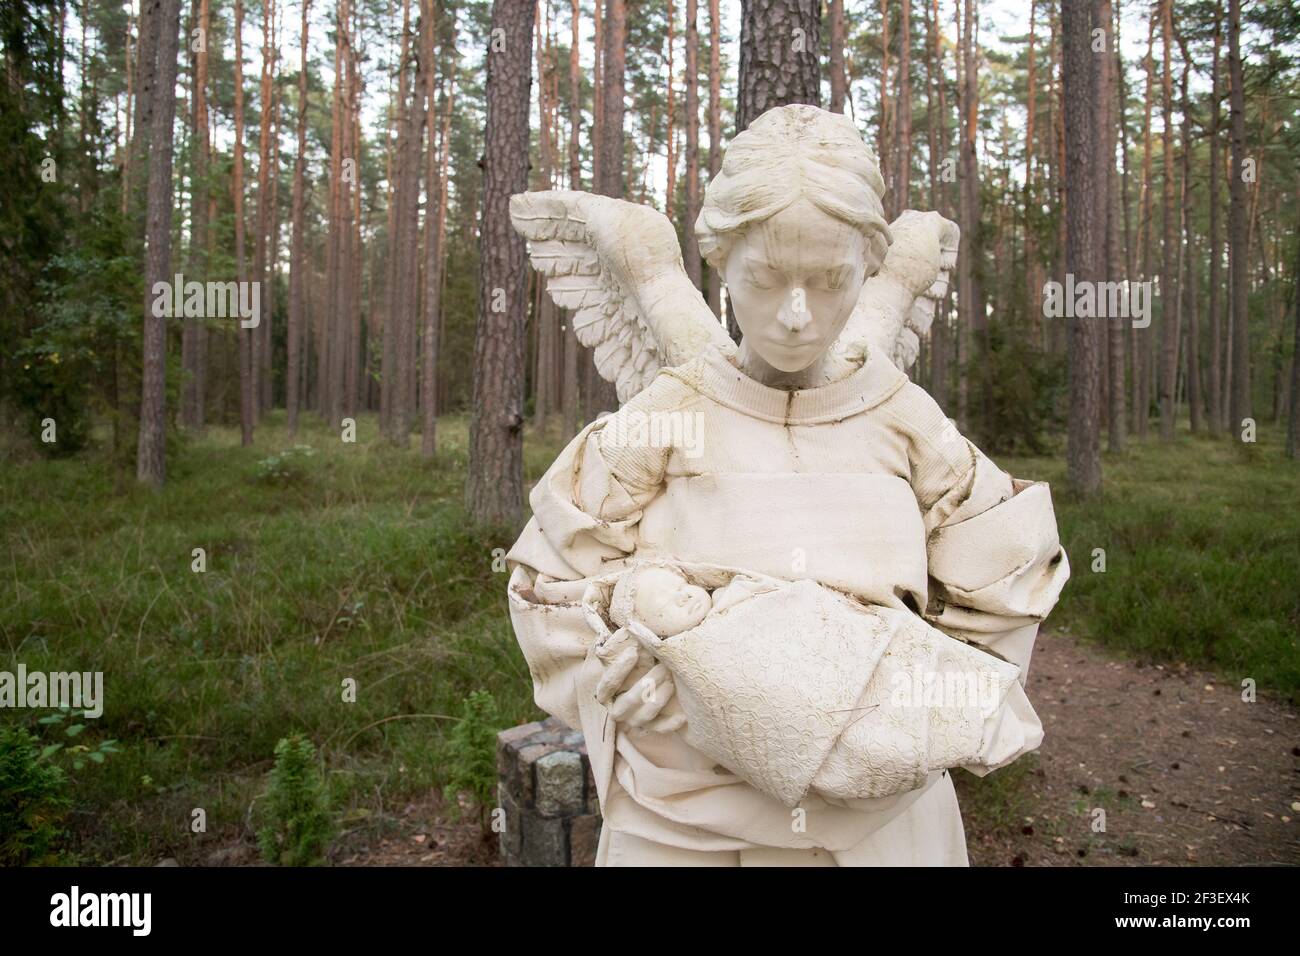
(996, 565)
(585, 511)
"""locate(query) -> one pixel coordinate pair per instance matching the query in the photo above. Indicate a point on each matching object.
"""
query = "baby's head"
(661, 599)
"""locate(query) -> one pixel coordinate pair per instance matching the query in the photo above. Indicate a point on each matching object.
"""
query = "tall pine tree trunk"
(902, 178)
(714, 284)
(1214, 376)
(1110, 118)
(247, 395)
(939, 343)
(569, 375)
(544, 316)
(1142, 342)
(151, 452)
(692, 256)
(972, 321)
(1169, 313)
(1188, 274)
(1293, 419)
(261, 337)
(1085, 241)
(601, 395)
(194, 333)
(494, 489)
(839, 78)
(1033, 281)
(408, 210)
(298, 256)
(436, 252)
(1238, 242)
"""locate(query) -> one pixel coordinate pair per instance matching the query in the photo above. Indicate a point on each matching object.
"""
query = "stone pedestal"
(545, 786)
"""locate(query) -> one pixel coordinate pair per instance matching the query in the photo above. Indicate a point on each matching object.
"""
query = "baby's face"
(667, 604)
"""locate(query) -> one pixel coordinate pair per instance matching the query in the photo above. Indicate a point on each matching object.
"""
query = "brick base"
(545, 787)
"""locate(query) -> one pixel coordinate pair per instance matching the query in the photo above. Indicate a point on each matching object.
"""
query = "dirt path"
(1186, 772)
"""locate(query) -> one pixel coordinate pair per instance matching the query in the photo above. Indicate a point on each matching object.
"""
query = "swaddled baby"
(664, 601)
(875, 746)
(659, 598)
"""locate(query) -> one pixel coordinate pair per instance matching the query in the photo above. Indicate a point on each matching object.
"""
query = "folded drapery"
(798, 688)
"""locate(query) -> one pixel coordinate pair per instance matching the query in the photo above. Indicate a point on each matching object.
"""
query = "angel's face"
(793, 280)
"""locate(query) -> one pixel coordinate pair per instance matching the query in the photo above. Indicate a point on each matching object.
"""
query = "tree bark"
(569, 375)
(780, 41)
(885, 137)
(939, 345)
(1142, 337)
(194, 332)
(1188, 273)
(609, 177)
(407, 227)
(1033, 281)
(715, 133)
(670, 117)
(247, 396)
(544, 316)
(692, 256)
(972, 320)
(902, 178)
(602, 395)
(1293, 422)
(1214, 378)
(1237, 239)
(494, 489)
(1084, 240)
(261, 340)
(1169, 313)
(151, 451)
(1110, 117)
(435, 227)
(298, 257)
(839, 79)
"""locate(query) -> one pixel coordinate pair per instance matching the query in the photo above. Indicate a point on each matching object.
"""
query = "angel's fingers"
(615, 673)
(614, 645)
(647, 690)
(667, 723)
(650, 699)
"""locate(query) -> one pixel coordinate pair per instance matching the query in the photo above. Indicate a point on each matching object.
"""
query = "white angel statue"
(812, 459)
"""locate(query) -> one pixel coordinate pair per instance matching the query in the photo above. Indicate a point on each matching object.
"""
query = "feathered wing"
(618, 266)
(897, 304)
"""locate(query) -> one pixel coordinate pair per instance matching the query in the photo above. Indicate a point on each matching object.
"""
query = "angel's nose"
(794, 314)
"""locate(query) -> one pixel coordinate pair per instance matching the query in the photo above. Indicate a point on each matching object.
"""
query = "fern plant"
(33, 801)
(297, 826)
(471, 754)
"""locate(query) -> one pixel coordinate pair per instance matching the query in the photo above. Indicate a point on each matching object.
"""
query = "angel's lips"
(793, 346)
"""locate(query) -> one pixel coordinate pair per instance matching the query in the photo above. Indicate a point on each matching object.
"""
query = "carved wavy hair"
(787, 154)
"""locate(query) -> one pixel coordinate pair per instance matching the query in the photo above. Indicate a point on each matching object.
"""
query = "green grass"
(1202, 557)
(367, 567)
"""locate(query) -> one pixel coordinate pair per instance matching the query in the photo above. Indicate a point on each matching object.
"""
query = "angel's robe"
(862, 485)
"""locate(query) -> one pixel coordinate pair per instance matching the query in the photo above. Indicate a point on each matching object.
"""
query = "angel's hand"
(642, 703)
(620, 654)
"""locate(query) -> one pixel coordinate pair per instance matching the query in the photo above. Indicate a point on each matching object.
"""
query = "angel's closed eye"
(835, 278)
(761, 274)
